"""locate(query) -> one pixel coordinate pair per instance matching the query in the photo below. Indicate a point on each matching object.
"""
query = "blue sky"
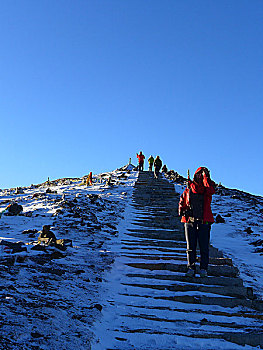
(86, 84)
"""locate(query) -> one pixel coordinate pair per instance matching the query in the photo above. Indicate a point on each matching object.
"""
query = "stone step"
(174, 231)
(233, 291)
(213, 270)
(162, 236)
(156, 257)
(253, 338)
(227, 314)
(163, 225)
(192, 324)
(139, 248)
(213, 280)
(226, 302)
(155, 243)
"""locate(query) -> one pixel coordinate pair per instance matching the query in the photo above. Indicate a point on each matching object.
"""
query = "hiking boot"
(203, 273)
(190, 273)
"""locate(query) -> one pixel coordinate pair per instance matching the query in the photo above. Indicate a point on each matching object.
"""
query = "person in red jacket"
(196, 213)
(141, 158)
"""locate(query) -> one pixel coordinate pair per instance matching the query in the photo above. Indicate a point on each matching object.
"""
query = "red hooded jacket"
(206, 187)
(140, 157)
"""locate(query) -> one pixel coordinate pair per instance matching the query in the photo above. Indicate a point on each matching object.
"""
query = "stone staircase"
(151, 304)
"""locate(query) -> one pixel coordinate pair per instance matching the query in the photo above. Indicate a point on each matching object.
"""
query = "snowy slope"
(49, 301)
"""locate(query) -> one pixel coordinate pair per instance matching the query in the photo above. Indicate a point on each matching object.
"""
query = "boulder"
(220, 219)
(248, 230)
(38, 195)
(97, 306)
(19, 190)
(13, 247)
(14, 209)
(48, 190)
(29, 232)
(236, 196)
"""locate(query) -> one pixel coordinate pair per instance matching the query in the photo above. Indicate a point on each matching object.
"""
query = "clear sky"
(86, 84)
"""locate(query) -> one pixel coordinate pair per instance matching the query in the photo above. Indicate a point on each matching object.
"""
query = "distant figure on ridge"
(151, 161)
(157, 166)
(141, 158)
(89, 179)
(164, 169)
(195, 209)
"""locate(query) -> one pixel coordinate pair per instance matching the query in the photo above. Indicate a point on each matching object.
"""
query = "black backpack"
(196, 205)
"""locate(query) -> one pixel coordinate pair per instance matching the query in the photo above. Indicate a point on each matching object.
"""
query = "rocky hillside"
(50, 295)
(114, 276)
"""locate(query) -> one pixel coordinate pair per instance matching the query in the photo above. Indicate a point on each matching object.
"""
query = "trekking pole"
(188, 178)
(2, 212)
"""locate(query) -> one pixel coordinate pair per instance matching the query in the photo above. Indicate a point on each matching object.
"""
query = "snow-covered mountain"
(61, 297)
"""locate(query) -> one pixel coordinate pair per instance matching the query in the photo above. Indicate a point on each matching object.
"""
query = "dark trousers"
(150, 167)
(197, 232)
(156, 171)
(141, 166)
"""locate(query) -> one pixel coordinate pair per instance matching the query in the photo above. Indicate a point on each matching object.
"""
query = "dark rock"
(95, 227)
(21, 259)
(14, 209)
(19, 190)
(98, 307)
(39, 247)
(174, 176)
(57, 255)
(36, 335)
(58, 211)
(204, 321)
(48, 190)
(54, 271)
(5, 201)
(248, 230)
(38, 195)
(220, 219)
(93, 198)
(110, 226)
(235, 196)
(15, 247)
(122, 176)
(250, 293)
(25, 232)
(257, 242)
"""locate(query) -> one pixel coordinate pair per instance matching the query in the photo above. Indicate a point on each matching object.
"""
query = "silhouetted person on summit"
(195, 209)
(164, 169)
(151, 161)
(157, 166)
(141, 158)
